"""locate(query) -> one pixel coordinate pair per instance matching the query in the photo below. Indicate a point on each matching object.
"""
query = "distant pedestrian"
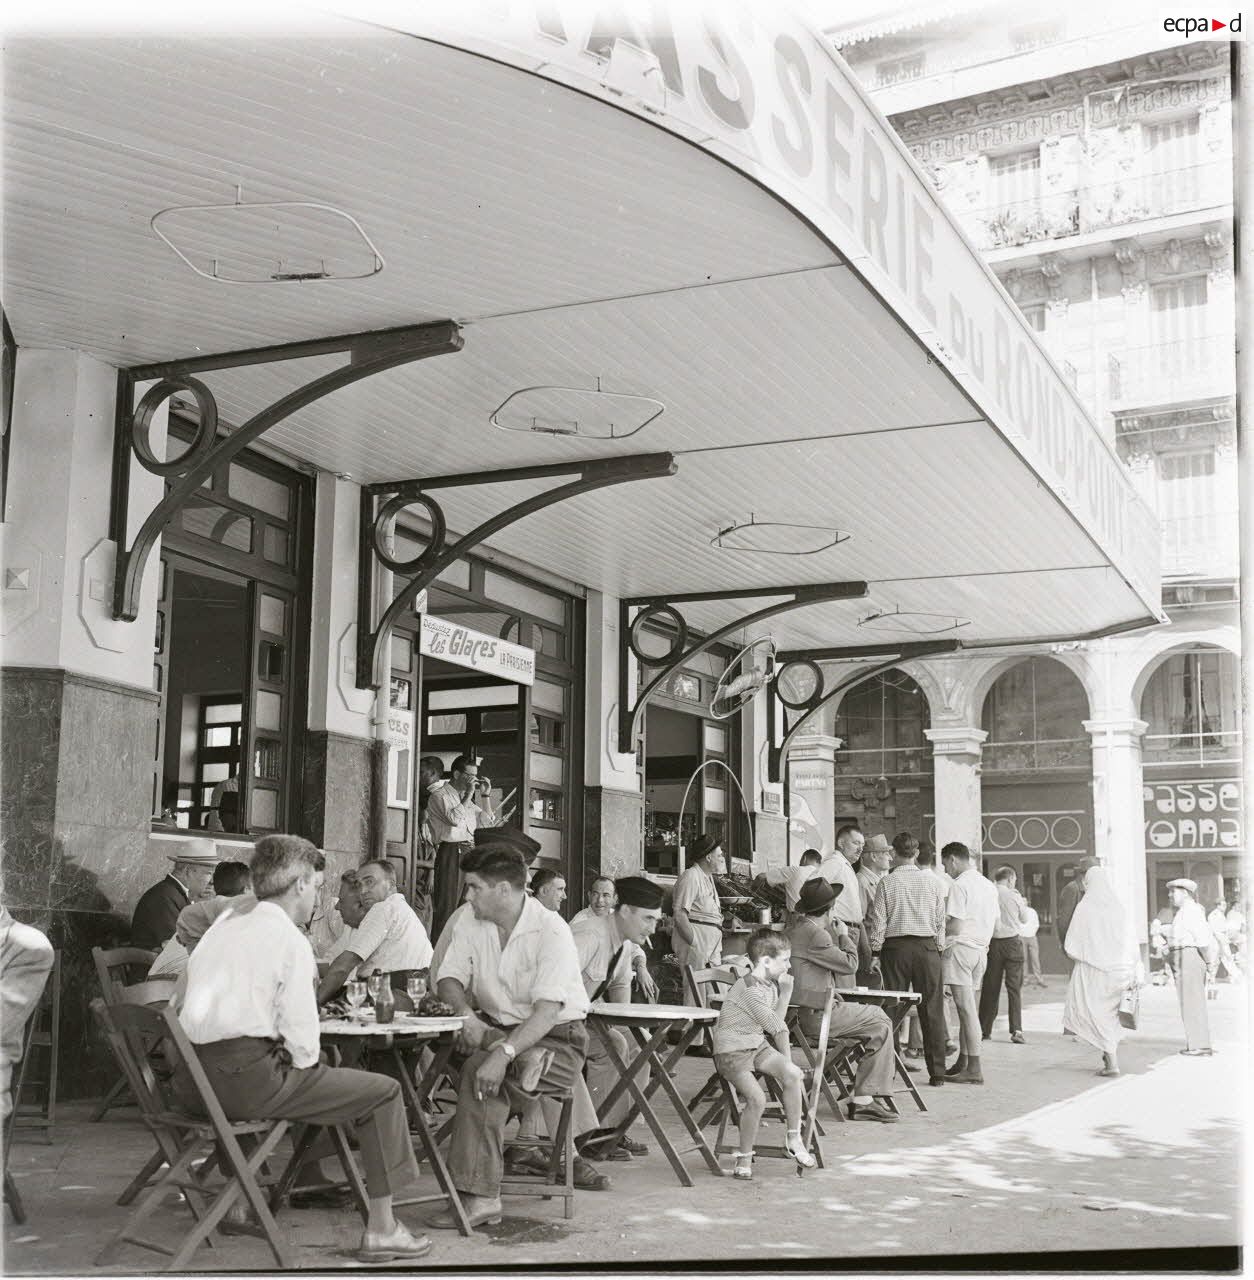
(1191, 942)
(1032, 949)
(1101, 942)
(1218, 921)
(1005, 958)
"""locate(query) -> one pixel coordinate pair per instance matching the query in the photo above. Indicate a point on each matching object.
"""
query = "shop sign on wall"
(451, 642)
(400, 740)
(1184, 817)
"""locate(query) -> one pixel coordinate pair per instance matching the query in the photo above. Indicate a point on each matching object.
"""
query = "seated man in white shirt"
(518, 963)
(602, 900)
(251, 1012)
(389, 938)
(605, 945)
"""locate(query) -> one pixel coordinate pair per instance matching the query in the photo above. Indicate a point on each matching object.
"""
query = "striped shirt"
(748, 1016)
(909, 903)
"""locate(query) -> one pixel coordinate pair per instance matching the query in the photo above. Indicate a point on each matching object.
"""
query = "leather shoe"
(936, 1081)
(479, 1213)
(871, 1111)
(1017, 1037)
(967, 1077)
(400, 1246)
(635, 1148)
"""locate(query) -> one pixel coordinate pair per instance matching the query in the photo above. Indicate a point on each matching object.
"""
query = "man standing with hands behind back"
(1005, 958)
(456, 809)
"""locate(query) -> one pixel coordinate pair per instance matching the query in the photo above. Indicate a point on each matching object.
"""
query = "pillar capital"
(956, 740)
(810, 747)
(1120, 731)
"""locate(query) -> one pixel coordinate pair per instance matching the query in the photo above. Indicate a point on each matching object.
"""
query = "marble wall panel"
(612, 843)
(337, 793)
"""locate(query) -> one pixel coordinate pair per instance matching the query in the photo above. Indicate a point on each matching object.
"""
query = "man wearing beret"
(605, 945)
(190, 878)
(819, 960)
(698, 935)
(1191, 940)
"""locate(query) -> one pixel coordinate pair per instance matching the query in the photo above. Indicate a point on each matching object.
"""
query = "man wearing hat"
(877, 853)
(1190, 940)
(189, 879)
(605, 945)
(697, 939)
(822, 959)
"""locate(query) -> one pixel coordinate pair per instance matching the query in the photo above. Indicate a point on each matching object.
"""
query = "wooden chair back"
(120, 967)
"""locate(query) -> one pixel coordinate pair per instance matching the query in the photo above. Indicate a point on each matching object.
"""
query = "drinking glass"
(355, 990)
(416, 988)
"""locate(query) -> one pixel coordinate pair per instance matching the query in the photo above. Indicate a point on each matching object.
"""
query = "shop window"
(547, 731)
(546, 806)
(880, 724)
(1034, 716)
(223, 653)
(1192, 707)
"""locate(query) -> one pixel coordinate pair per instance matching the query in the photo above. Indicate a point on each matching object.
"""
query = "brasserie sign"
(1188, 817)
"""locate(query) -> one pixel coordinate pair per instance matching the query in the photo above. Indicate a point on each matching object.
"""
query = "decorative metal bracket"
(821, 695)
(369, 353)
(378, 521)
(663, 608)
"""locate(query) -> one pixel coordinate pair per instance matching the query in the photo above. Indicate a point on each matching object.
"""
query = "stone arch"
(1072, 660)
(1165, 644)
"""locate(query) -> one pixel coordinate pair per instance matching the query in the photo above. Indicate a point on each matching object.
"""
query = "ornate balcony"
(1171, 372)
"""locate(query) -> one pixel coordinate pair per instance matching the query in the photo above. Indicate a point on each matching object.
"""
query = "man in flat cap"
(698, 934)
(189, 879)
(821, 959)
(605, 945)
(1191, 944)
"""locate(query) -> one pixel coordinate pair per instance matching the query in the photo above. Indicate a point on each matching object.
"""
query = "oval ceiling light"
(913, 622)
(777, 537)
(271, 242)
(587, 412)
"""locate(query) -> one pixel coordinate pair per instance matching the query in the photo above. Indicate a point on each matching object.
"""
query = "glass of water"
(416, 988)
(355, 990)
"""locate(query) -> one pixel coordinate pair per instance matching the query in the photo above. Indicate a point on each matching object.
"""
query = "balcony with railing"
(1171, 372)
(1209, 747)
(1094, 206)
(889, 762)
(1052, 753)
(1201, 546)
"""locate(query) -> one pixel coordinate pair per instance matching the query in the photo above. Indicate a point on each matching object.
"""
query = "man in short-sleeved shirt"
(517, 961)
(970, 918)
(389, 938)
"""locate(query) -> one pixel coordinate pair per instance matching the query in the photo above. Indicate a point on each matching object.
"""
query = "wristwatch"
(507, 1049)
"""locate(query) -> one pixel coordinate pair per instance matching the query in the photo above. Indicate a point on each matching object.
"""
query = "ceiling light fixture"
(268, 242)
(777, 537)
(912, 621)
(588, 412)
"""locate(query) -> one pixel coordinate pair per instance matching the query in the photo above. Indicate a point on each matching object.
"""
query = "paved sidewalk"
(1046, 1156)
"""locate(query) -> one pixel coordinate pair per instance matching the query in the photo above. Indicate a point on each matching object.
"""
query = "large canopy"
(712, 218)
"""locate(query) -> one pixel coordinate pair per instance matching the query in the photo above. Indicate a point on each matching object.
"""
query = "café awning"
(707, 216)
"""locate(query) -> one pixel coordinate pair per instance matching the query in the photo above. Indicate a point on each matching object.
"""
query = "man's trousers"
(914, 963)
(1005, 961)
(254, 1080)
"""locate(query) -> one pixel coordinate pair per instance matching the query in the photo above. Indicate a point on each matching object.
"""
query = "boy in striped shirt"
(753, 1010)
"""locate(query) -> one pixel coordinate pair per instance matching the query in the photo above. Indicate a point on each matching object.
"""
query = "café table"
(897, 1004)
(649, 1026)
(405, 1034)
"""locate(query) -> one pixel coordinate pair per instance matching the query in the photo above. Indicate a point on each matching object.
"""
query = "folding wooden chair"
(702, 986)
(182, 1137)
(827, 1069)
(117, 969)
(42, 1039)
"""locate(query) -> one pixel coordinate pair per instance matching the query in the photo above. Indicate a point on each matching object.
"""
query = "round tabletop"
(403, 1024)
(644, 1013)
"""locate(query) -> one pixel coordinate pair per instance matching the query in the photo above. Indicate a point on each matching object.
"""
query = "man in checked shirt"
(906, 930)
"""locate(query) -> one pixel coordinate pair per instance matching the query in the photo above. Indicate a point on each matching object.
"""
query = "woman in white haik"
(1101, 942)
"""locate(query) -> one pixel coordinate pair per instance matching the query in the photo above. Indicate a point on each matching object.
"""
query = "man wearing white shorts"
(970, 917)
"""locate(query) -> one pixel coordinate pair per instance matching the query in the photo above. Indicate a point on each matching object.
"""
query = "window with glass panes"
(1015, 181)
(1173, 159)
(229, 649)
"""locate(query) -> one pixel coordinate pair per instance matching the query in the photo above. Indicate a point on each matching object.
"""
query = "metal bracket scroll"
(372, 640)
(681, 652)
(369, 353)
(889, 656)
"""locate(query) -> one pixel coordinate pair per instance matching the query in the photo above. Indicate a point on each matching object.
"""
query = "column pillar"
(956, 772)
(1119, 811)
(79, 710)
(811, 779)
(613, 811)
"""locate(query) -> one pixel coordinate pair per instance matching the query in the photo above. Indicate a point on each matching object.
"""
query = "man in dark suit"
(157, 912)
